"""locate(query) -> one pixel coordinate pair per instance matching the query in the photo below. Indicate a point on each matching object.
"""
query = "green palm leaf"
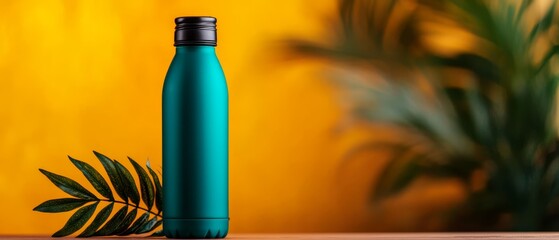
(146, 186)
(399, 172)
(158, 188)
(94, 178)
(60, 205)
(114, 177)
(101, 217)
(113, 224)
(149, 226)
(137, 224)
(545, 22)
(68, 185)
(76, 221)
(129, 183)
(126, 222)
(123, 222)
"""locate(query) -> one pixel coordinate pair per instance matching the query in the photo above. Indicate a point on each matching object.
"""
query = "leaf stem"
(133, 205)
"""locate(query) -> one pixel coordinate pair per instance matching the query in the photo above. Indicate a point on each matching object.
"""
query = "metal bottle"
(195, 135)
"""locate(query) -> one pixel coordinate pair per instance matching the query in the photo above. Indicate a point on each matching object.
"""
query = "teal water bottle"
(195, 135)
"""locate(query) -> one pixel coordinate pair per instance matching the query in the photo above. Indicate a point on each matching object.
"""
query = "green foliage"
(489, 107)
(123, 222)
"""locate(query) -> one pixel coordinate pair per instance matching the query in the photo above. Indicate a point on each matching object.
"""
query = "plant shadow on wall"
(123, 222)
(482, 109)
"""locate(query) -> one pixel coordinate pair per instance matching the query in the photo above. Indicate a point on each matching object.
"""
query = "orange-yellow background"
(86, 75)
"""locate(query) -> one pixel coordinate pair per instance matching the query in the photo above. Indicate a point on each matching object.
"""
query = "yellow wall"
(86, 75)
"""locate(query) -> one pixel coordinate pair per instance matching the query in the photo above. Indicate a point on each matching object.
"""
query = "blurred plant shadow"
(471, 86)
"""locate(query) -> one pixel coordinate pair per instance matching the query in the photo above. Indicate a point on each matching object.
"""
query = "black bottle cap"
(198, 31)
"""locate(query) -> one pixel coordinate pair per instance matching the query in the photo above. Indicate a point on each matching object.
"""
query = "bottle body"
(195, 145)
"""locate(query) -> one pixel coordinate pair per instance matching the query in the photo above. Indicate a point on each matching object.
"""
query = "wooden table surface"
(360, 236)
